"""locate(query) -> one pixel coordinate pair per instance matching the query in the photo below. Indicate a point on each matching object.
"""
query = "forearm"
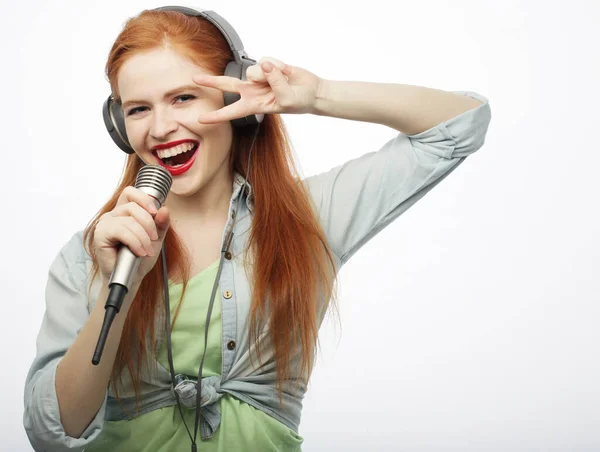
(80, 385)
(406, 108)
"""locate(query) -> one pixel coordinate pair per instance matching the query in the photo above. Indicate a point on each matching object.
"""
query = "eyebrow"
(167, 95)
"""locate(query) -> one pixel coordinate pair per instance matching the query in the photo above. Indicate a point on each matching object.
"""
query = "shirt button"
(231, 345)
(227, 294)
(228, 255)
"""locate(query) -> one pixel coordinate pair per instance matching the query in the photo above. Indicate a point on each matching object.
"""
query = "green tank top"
(243, 427)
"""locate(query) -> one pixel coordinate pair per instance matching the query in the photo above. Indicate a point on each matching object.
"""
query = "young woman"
(252, 250)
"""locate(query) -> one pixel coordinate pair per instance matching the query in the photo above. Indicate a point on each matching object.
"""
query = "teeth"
(172, 152)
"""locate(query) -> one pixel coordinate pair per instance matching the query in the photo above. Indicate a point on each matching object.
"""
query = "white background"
(471, 322)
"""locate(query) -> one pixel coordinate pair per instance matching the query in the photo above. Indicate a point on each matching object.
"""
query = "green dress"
(243, 427)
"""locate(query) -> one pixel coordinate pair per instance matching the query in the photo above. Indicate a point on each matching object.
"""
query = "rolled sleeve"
(460, 136)
(66, 313)
(359, 198)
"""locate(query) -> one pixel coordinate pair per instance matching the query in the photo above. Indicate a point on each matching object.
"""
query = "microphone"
(155, 181)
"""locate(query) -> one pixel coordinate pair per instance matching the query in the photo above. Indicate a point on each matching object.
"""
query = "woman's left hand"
(271, 87)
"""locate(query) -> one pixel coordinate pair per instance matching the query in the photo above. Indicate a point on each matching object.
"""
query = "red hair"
(294, 272)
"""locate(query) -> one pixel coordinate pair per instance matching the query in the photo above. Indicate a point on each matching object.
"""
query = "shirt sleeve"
(66, 313)
(359, 198)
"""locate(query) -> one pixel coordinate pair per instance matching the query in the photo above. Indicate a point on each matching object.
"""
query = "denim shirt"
(354, 201)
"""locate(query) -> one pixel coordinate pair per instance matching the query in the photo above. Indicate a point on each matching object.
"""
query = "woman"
(274, 276)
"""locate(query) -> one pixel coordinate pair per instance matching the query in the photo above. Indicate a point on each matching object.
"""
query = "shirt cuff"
(459, 136)
(42, 417)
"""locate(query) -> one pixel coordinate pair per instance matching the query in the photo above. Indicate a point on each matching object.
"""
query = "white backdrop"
(491, 281)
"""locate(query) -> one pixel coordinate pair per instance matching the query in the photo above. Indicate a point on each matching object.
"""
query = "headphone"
(113, 113)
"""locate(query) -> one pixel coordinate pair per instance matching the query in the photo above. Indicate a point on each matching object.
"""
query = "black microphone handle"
(113, 305)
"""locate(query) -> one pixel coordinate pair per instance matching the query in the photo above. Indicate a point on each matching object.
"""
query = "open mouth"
(177, 164)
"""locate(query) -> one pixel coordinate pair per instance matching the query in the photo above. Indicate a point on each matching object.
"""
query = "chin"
(186, 188)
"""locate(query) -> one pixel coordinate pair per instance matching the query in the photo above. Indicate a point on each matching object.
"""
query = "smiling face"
(161, 105)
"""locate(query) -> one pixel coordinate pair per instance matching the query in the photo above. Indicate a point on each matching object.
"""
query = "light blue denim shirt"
(354, 201)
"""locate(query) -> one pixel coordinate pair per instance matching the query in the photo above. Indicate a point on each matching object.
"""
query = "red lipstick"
(176, 171)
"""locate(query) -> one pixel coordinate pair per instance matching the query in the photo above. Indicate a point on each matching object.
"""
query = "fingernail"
(152, 208)
(267, 66)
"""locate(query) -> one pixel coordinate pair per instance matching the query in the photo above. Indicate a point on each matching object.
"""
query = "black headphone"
(113, 113)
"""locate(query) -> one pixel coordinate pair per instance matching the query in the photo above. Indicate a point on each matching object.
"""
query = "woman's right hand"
(131, 223)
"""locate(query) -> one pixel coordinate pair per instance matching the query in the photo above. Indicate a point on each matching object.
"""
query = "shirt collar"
(238, 182)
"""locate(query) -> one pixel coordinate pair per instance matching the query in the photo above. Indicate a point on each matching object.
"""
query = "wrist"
(323, 87)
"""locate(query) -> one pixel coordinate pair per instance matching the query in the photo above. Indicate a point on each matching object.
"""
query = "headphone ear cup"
(115, 124)
(236, 70)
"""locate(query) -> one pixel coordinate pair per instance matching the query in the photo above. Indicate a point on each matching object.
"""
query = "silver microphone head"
(155, 181)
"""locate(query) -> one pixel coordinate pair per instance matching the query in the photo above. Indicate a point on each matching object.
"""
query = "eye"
(135, 110)
(185, 97)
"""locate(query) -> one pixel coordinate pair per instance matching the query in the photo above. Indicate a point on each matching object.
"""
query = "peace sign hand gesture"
(271, 87)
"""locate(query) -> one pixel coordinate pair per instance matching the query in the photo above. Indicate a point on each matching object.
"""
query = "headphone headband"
(233, 39)
(112, 112)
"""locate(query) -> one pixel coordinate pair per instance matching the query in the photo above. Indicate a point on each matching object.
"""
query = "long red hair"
(294, 272)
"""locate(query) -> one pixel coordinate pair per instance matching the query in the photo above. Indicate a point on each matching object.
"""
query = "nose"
(162, 124)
